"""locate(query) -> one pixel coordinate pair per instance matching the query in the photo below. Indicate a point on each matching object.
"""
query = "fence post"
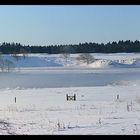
(74, 97)
(67, 96)
(118, 97)
(128, 109)
(15, 99)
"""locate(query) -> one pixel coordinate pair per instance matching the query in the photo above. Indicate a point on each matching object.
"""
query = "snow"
(96, 110)
(42, 82)
(55, 60)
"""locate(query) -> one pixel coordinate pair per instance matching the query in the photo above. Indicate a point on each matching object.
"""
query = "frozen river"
(52, 78)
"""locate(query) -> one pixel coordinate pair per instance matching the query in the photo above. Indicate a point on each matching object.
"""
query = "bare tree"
(16, 56)
(24, 53)
(6, 65)
(1, 64)
(86, 58)
(65, 53)
(65, 56)
(9, 65)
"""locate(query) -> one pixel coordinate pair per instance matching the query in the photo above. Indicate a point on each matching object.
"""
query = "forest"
(91, 47)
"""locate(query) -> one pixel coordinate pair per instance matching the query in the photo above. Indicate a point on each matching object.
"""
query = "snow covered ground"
(46, 111)
(123, 60)
(40, 84)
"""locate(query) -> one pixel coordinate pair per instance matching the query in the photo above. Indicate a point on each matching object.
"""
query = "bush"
(86, 58)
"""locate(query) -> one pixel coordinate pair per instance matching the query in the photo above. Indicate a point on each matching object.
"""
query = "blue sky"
(68, 24)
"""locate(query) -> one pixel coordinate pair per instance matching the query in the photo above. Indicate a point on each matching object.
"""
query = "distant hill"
(126, 60)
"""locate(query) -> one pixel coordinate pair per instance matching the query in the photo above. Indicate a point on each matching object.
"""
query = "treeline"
(110, 47)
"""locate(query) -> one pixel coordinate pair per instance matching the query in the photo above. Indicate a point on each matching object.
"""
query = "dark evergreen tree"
(114, 47)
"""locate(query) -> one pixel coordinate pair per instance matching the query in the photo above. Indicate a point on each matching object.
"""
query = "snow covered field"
(40, 84)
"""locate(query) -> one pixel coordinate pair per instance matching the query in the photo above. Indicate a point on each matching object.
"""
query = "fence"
(71, 98)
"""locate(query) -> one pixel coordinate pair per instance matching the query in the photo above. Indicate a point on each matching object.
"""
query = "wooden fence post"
(15, 100)
(74, 97)
(118, 97)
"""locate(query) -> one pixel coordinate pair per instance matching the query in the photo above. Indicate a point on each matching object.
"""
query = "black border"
(71, 137)
(69, 2)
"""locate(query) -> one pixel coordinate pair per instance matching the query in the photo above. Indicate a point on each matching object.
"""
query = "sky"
(68, 24)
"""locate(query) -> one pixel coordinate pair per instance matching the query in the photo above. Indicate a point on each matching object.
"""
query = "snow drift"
(46, 60)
